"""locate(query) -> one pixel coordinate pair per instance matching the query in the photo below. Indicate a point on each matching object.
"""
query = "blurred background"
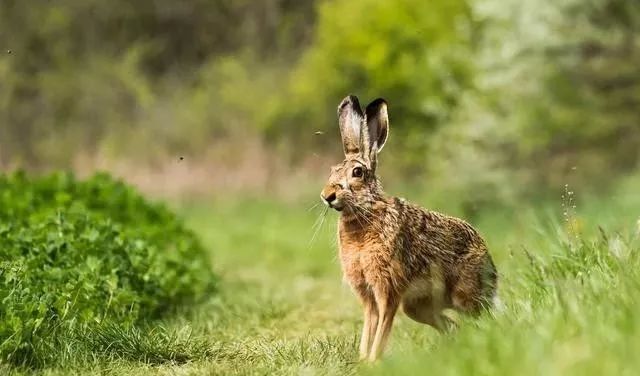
(520, 116)
(491, 101)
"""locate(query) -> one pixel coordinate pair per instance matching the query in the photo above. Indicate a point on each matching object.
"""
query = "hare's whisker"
(355, 214)
(364, 213)
(318, 226)
(361, 214)
(313, 206)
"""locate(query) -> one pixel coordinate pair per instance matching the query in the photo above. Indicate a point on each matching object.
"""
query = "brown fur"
(396, 254)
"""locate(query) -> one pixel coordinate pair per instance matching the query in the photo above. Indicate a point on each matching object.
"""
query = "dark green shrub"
(76, 255)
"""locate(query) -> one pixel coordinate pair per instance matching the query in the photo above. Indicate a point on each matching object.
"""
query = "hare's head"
(353, 182)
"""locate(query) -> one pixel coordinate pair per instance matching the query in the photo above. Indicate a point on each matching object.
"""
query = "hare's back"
(436, 235)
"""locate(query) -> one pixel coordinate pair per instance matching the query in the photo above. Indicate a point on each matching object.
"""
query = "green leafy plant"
(79, 255)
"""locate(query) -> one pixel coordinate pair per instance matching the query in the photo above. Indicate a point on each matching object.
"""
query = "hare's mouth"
(335, 204)
(332, 201)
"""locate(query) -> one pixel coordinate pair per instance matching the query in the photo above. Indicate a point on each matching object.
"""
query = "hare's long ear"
(351, 121)
(378, 127)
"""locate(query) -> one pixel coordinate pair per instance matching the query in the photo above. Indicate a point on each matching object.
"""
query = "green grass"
(282, 308)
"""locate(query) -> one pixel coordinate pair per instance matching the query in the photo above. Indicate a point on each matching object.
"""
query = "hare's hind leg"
(425, 300)
(476, 286)
(423, 310)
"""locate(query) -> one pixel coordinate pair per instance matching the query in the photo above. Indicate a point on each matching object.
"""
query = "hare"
(396, 254)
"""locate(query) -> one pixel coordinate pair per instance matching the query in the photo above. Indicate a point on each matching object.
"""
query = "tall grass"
(570, 299)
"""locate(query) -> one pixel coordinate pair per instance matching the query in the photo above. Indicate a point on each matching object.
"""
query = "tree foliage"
(482, 92)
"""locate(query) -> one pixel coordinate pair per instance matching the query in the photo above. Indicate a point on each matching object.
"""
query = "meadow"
(570, 284)
(520, 116)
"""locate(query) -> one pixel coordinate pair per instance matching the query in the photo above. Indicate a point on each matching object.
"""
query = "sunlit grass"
(570, 304)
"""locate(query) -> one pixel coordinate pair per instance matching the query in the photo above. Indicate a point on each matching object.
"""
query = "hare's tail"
(498, 305)
(490, 286)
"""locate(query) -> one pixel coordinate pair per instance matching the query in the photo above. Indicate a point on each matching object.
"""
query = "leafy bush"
(77, 255)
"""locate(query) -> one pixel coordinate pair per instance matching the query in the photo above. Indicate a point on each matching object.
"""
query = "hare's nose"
(329, 199)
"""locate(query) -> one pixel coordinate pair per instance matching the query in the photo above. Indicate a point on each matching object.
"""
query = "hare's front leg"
(369, 326)
(387, 307)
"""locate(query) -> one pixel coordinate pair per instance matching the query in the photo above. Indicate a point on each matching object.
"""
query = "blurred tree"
(590, 110)
(568, 88)
(79, 69)
(554, 101)
(489, 98)
(415, 54)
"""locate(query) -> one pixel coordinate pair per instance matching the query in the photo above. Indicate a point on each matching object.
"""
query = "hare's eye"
(357, 172)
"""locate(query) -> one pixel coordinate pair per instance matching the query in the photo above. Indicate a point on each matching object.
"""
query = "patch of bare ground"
(254, 170)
